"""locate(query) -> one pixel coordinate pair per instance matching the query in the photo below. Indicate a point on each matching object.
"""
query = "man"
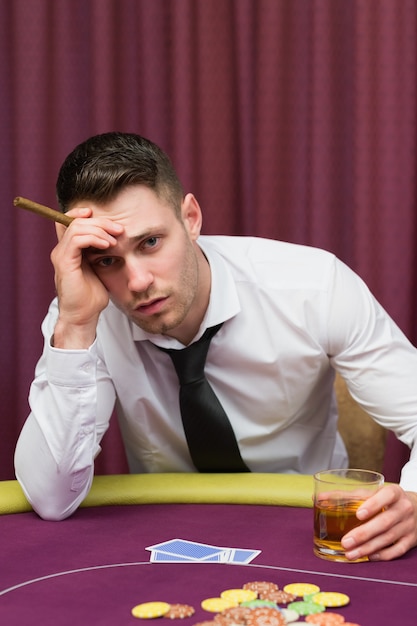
(133, 275)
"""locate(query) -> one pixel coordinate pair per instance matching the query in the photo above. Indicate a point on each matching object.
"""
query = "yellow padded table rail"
(268, 489)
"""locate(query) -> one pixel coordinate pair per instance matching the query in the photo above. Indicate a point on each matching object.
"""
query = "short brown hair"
(100, 167)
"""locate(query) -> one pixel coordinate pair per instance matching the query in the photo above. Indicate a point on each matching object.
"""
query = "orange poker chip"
(325, 619)
(278, 596)
(266, 616)
(233, 615)
(260, 586)
(179, 611)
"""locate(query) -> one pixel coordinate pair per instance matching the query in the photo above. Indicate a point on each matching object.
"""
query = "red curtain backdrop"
(291, 119)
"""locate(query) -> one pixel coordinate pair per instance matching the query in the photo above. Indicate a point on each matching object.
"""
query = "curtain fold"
(292, 119)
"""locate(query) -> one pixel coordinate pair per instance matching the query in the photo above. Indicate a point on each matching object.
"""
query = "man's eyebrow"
(140, 236)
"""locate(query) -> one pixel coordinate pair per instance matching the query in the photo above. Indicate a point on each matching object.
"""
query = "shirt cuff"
(72, 368)
(409, 476)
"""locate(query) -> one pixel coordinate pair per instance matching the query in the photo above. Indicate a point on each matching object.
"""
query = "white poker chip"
(291, 616)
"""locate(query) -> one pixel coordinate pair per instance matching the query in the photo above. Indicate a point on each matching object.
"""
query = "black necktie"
(210, 437)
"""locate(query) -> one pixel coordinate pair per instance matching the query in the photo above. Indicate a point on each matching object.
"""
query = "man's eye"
(106, 261)
(151, 242)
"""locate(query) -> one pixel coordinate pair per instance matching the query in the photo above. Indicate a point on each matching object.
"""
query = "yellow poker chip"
(301, 589)
(239, 595)
(150, 610)
(331, 598)
(217, 605)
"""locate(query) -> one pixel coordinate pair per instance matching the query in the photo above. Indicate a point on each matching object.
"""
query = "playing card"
(243, 556)
(182, 550)
(190, 550)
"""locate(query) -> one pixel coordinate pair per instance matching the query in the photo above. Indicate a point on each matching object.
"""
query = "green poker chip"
(255, 604)
(306, 607)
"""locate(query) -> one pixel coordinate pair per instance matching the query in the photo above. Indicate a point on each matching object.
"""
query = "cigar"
(40, 209)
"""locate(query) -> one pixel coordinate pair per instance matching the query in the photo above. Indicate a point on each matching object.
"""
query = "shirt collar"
(223, 304)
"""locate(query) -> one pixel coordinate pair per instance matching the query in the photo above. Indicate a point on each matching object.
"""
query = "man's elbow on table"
(52, 504)
(52, 489)
(54, 495)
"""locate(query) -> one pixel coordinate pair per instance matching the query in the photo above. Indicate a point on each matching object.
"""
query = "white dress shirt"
(292, 315)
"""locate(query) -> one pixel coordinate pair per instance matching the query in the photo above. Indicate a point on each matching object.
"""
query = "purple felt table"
(93, 568)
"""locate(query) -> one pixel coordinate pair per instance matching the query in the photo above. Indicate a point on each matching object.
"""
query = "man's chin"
(152, 326)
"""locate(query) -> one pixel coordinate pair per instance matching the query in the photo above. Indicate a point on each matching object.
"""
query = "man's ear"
(191, 216)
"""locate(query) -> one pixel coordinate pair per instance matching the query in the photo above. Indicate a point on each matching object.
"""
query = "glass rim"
(325, 476)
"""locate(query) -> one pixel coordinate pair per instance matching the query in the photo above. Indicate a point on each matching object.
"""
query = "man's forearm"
(71, 402)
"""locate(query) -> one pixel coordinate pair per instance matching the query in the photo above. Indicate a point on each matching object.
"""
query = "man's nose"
(139, 277)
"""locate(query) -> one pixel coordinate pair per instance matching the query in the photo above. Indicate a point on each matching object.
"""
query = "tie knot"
(189, 362)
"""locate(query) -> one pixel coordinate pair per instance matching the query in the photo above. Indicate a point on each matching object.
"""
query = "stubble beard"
(183, 298)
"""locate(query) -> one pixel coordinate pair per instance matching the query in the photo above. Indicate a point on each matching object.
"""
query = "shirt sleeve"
(375, 358)
(71, 401)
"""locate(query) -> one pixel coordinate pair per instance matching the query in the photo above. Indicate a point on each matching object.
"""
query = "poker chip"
(290, 615)
(309, 597)
(261, 586)
(221, 620)
(306, 608)
(233, 615)
(239, 595)
(254, 604)
(265, 616)
(179, 611)
(150, 610)
(279, 597)
(217, 605)
(301, 589)
(331, 598)
(326, 619)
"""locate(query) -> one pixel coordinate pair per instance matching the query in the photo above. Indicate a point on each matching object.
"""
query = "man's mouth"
(151, 307)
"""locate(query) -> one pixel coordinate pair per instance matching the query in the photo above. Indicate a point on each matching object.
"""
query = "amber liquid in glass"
(332, 520)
